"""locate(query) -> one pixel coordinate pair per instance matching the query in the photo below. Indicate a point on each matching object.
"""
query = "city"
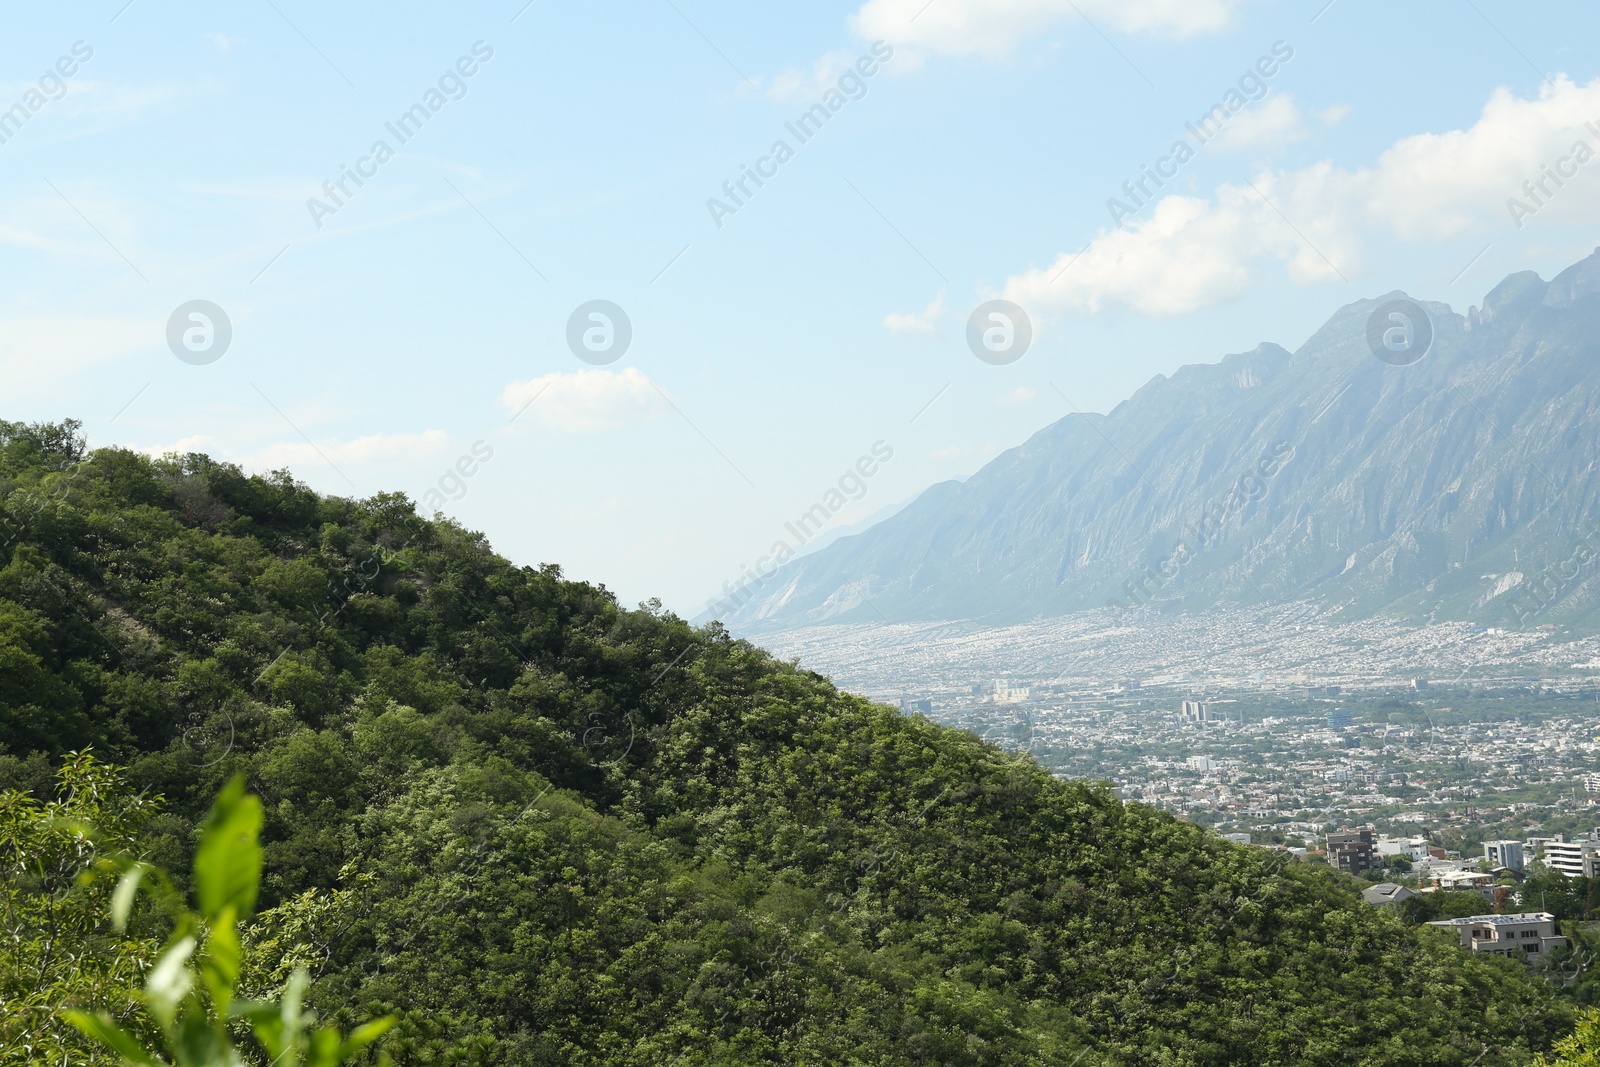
(1460, 764)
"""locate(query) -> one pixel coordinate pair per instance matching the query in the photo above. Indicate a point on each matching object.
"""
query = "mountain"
(547, 830)
(1461, 486)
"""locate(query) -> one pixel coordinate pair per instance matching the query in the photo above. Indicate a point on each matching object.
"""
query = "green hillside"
(589, 835)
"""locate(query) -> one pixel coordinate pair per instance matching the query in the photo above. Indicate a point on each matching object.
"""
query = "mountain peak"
(1577, 282)
(1264, 477)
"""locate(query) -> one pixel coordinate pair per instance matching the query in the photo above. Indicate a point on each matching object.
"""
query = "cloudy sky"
(400, 209)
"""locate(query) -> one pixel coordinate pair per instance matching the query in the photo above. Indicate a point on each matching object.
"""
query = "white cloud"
(373, 448)
(994, 27)
(183, 446)
(1273, 122)
(1186, 253)
(808, 85)
(585, 400)
(1020, 395)
(923, 321)
(1333, 114)
(221, 41)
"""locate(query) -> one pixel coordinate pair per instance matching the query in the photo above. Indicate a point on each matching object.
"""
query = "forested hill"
(595, 835)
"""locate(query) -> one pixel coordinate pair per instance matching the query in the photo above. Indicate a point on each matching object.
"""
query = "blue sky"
(375, 345)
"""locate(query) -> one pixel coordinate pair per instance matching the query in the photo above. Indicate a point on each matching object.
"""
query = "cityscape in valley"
(1281, 729)
(1282, 647)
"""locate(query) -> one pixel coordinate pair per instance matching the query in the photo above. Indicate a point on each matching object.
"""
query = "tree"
(1581, 1048)
(59, 948)
(189, 994)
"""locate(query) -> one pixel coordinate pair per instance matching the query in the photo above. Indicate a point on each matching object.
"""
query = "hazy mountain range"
(1462, 486)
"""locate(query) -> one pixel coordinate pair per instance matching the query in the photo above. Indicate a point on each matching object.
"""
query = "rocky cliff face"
(1463, 485)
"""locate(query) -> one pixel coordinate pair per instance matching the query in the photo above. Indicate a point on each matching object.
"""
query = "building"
(1528, 932)
(1351, 850)
(1196, 711)
(1203, 764)
(1412, 848)
(1006, 693)
(1504, 854)
(1339, 719)
(1238, 839)
(1387, 893)
(1575, 859)
(921, 707)
(1463, 881)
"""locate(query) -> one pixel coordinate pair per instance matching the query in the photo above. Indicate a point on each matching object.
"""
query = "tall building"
(1338, 719)
(1575, 859)
(1351, 850)
(1196, 711)
(1504, 854)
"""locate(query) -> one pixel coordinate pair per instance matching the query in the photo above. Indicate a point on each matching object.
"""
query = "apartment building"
(1504, 854)
(1528, 932)
(1575, 859)
(1351, 850)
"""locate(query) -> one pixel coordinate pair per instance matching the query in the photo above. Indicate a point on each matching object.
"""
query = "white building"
(1006, 693)
(1412, 848)
(1462, 880)
(1529, 931)
(1575, 859)
(1504, 854)
(1203, 764)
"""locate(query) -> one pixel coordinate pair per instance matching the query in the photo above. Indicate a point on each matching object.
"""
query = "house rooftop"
(1497, 920)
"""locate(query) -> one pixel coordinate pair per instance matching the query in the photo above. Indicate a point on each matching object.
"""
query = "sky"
(510, 258)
